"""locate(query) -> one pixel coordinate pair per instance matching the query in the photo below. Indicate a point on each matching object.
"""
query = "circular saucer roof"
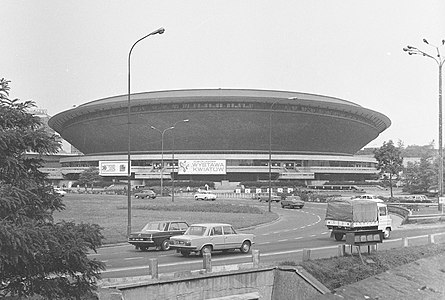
(221, 120)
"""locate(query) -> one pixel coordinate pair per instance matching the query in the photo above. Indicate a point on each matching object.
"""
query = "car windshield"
(195, 230)
(160, 226)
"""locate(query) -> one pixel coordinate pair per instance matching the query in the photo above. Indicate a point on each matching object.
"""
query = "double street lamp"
(270, 148)
(158, 31)
(162, 132)
(173, 158)
(440, 61)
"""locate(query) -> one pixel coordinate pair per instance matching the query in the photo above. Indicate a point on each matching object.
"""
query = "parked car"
(145, 194)
(59, 191)
(292, 202)
(157, 234)
(208, 237)
(265, 197)
(367, 196)
(205, 195)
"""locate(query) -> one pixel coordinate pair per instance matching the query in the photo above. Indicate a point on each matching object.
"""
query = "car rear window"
(196, 230)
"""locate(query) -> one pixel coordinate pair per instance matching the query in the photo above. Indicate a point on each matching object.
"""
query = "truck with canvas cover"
(347, 215)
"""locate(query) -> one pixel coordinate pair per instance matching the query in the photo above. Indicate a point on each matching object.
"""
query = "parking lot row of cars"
(196, 238)
(200, 195)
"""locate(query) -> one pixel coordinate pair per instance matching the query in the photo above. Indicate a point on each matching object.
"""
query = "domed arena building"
(222, 135)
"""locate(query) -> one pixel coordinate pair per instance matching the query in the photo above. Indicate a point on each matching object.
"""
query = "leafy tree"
(419, 151)
(37, 255)
(420, 176)
(89, 177)
(389, 161)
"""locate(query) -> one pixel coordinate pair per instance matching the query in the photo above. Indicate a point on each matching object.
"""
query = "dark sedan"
(292, 202)
(157, 234)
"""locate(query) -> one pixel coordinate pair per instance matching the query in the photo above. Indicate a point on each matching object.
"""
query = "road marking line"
(283, 240)
(297, 238)
(131, 258)
(312, 235)
(326, 232)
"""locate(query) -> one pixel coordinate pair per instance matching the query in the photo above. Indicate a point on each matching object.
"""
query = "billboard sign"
(190, 167)
(113, 168)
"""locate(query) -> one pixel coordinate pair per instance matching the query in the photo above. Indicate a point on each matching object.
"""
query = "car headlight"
(188, 243)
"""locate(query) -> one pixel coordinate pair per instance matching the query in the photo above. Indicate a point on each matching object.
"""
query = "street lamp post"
(158, 31)
(173, 158)
(162, 132)
(440, 61)
(270, 154)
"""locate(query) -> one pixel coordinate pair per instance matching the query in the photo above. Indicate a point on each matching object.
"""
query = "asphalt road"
(282, 240)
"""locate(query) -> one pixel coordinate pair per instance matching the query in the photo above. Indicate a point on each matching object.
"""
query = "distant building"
(52, 166)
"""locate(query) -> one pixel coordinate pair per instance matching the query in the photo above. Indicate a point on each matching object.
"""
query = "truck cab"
(385, 221)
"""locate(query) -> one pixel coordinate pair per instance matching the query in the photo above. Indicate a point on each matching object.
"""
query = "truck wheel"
(386, 233)
(338, 236)
(165, 245)
(185, 253)
(144, 248)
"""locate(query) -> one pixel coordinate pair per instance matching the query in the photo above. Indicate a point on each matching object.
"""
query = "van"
(367, 196)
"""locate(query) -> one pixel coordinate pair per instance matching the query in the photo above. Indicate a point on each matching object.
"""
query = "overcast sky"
(65, 53)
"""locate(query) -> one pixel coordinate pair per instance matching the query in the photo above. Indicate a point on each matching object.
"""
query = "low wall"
(279, 283)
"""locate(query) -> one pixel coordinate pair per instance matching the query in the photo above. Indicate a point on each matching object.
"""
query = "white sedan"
(205, 195)
(59, 191)
(208, 237)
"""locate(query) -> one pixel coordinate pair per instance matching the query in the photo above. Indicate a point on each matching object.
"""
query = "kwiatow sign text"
(202, 167)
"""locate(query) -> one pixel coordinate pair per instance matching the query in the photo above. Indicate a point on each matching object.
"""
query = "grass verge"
(338, 271)
(110, 212)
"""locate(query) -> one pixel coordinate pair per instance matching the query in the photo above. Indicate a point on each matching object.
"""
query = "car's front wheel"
(206, 249)
(165, 245)
(245, 247)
